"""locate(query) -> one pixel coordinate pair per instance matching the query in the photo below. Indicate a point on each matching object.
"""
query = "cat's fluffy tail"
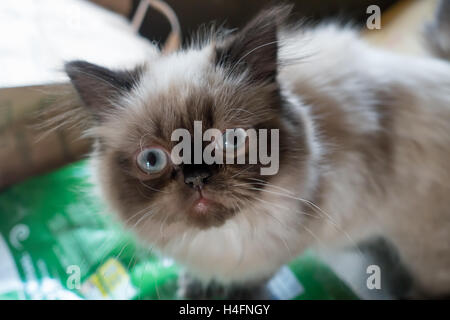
(437, 32)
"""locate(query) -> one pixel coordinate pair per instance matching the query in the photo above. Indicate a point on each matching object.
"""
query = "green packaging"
(57, 242)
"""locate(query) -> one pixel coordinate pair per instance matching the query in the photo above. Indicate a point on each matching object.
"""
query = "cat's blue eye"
(234, 139)
(152, 160)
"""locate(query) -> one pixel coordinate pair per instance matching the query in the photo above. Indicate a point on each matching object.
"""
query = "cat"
(364, 150)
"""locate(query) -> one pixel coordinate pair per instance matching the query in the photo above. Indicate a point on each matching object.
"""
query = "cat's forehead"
(181, 68)
(177, 90)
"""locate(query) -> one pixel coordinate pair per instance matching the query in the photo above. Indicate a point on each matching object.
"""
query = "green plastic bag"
(57, 242)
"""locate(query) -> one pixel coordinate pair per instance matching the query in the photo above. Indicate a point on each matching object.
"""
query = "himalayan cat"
(364, 150)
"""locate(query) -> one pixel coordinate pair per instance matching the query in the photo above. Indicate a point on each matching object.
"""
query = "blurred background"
(48, 227)
(234, 14)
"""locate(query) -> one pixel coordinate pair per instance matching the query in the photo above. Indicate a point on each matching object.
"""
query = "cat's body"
(384, 121)
(365, 151)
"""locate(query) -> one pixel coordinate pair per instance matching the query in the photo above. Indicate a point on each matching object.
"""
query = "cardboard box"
(37, 38)
(26, 148)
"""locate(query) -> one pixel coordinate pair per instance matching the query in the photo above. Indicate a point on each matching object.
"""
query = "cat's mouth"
(202, 203)
(205, 210)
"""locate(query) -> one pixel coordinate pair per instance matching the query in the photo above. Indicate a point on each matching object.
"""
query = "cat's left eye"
(234, 139)
(152, 160)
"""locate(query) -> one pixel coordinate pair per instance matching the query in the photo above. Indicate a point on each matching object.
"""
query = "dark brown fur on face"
(170, 188)
(220, 101)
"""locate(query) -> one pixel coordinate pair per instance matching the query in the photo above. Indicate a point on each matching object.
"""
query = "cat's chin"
(206, 212)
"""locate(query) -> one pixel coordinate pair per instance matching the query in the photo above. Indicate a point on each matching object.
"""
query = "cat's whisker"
(135, 214)
(279, 235)
(298, 199)
(286, 208)
(236, 65)
(266, 183)
(147, 214)
(141, 145)
(314, 206)
(133, 258)
(241, 171)
(252, 226)
(117, 256)
(106, 243)
(161, 228)
(62, 120)
(153, 189)
(237, 114)
(315, 237)
(93, 76)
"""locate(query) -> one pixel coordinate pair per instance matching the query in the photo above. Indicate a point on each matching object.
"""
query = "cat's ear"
(255, 48)
(98, 86)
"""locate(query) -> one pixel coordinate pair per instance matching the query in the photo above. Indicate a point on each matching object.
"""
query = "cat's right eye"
(152, 160)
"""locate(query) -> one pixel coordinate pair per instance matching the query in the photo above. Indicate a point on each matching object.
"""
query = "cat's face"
(226, 85)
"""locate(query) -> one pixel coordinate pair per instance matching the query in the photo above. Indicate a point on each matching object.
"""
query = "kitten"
(364, 149)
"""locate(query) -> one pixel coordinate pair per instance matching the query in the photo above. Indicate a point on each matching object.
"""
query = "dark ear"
(255, 47)
(97, 86)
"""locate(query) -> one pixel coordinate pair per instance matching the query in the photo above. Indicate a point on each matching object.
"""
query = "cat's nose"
(196, 176)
